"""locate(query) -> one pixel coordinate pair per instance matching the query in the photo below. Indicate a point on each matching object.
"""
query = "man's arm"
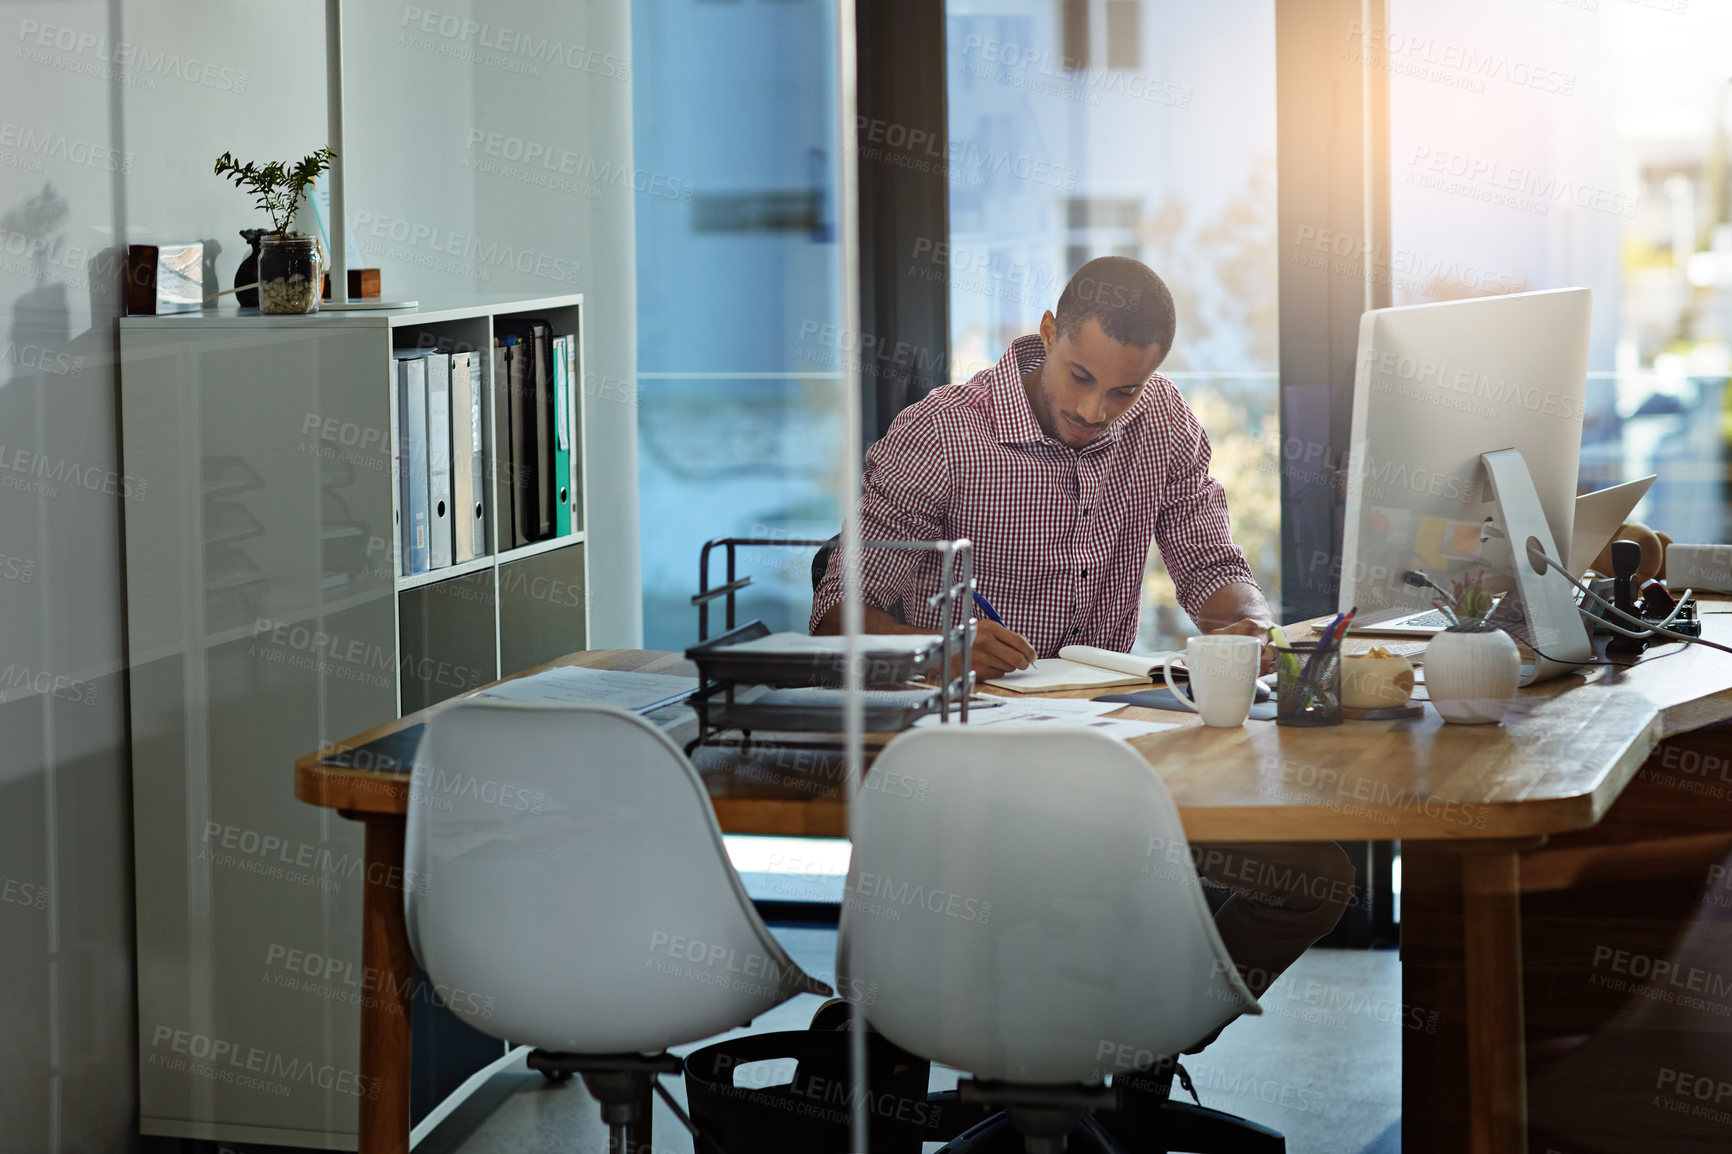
(903, 497)
(1240, 608)
(1213, 582)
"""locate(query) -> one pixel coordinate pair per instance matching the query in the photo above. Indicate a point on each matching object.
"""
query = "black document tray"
(393, 753)
(820, 710)
(719, 662)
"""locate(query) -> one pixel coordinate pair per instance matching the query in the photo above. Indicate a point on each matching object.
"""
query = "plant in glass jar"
(291, 267)
(1472, 667)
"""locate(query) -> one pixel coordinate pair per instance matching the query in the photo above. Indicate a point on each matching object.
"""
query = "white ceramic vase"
(1471, 676)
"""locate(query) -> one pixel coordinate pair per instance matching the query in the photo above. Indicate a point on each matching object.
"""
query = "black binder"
(500, 474)
(524, 483)
(546, 496)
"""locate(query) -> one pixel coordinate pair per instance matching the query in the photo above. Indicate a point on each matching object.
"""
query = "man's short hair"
(1130, 303)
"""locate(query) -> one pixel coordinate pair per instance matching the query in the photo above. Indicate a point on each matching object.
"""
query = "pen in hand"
(1019, 649)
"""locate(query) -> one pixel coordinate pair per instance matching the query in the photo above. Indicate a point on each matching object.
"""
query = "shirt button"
(1074, 632)
(1085, 572)
(1085, 512)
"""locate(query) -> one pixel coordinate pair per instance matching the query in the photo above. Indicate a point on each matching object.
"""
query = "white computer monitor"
(1436, 386)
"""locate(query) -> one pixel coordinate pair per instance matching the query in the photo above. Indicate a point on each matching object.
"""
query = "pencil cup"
(1307, 684)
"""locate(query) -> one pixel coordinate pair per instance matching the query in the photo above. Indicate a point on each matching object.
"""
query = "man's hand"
(1240, 608)
(997, 651)
(1251, 627)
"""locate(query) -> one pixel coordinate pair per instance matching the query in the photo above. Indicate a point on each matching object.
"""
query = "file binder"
(575, 424)
(439, 459)
(520, 391)
(545, 486)
(468, 487)
(561, 486)
(412, 458)
(499, 476)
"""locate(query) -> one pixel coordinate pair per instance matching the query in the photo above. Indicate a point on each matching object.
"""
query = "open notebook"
(1085, 667)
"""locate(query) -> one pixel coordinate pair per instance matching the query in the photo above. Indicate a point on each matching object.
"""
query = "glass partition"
(1545, 145)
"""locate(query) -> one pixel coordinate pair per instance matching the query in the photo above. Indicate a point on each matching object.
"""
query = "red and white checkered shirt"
(1061, 535)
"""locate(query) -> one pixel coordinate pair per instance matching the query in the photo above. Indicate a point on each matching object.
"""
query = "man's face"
(1087, 380)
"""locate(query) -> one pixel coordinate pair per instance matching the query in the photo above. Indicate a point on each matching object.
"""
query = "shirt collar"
(1012, 417)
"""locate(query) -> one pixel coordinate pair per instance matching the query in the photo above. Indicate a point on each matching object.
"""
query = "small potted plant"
(1472, 667)
(291, 268)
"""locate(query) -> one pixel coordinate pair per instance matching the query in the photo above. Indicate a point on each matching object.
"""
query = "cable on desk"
(1537, 554)
(1641, 660)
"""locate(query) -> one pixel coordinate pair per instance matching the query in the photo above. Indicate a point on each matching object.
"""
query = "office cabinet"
(268, 614)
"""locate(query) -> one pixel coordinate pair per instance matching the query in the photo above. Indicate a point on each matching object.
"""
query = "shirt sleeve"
(1191, 528)
(904, 496)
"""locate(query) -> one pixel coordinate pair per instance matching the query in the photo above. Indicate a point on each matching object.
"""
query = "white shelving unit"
(268, 615)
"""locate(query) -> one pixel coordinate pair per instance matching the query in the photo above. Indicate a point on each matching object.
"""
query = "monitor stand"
(1552, 621)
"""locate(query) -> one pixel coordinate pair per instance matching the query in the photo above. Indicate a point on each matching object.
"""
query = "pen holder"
(1307, 684)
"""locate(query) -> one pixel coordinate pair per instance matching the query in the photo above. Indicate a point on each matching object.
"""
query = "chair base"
(623, 1085)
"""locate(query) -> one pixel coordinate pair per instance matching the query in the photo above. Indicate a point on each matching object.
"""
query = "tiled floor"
(1322, 1065)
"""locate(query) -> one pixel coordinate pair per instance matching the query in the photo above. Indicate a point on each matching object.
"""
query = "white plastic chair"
(1023, 901)
(566, 886)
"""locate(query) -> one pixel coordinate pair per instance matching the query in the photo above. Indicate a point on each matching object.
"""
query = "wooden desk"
(1477, 796)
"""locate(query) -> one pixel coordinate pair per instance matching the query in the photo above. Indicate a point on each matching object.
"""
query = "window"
(1166, 154)
(739, 412)
(1587, 145)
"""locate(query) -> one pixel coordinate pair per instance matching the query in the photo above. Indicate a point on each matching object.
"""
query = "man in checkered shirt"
(1061, 463)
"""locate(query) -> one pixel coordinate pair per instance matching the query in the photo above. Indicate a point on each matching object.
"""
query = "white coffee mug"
(1223, 671)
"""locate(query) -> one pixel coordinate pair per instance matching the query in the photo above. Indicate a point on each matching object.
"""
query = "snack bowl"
(1378, 679)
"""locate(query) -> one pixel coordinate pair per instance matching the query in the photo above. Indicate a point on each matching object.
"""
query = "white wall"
(500, 161)
(110, 117)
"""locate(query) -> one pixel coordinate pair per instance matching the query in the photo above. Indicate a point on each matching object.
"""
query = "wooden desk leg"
(1497, 1051)
(385, 1053)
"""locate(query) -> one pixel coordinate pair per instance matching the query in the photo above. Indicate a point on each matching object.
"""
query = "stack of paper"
(1059, 711)
(641, 692)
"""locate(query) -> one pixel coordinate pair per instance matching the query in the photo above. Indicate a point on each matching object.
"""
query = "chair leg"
(627, 1106)
(634, 1137)
(622, 1084)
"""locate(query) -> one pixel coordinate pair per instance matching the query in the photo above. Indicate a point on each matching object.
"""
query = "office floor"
(1322, 1065)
